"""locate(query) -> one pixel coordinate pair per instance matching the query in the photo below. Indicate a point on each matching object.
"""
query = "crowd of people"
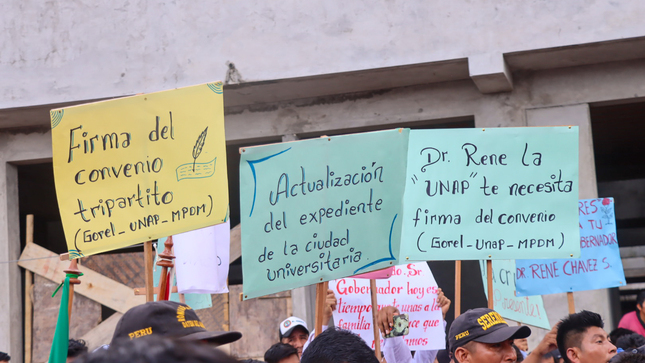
(166, 331)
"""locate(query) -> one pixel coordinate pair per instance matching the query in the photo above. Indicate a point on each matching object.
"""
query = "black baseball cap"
(168, 319)
(484, 326)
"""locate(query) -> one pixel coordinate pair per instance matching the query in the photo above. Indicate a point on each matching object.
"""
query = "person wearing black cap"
(157, 349)
(168, 319)
(4, 357)
(483, 336)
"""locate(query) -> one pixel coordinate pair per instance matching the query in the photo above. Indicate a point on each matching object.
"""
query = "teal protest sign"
(503, 193)
(320, 209)
(527, 310)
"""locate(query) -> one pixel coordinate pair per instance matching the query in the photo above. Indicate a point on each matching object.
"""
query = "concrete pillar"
(14, 149)
(10, 274)
(593, 300)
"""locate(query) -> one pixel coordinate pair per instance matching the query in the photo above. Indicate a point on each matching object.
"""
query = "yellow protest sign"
(140, 168)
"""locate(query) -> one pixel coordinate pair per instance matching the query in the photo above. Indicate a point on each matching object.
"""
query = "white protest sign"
(412, 289)
(202, 259)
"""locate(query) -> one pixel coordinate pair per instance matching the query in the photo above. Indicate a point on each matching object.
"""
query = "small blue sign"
(598, 267)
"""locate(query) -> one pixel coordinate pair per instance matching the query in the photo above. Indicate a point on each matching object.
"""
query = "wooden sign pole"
(165, 261)
(321, 297)
(377, 337)
(28, 288)
(457, 288)
(72, 269)
(489, 281)
(572, 306)
(148, 263)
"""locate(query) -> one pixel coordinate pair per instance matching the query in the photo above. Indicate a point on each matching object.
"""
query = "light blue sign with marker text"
(526, 309)
(320, 209)
(500, 193)
(598, 267)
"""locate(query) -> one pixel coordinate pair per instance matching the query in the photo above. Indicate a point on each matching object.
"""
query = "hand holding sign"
(443, 302)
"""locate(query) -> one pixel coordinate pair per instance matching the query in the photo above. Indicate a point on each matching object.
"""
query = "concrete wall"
(60, 51)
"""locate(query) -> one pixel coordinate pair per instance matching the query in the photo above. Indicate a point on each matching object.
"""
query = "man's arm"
(330, 306)
(394, 349)
(547, 344)
(423, 356)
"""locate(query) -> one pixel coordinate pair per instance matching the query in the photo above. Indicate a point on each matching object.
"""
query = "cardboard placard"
(501, 193)
(598, 267)
(140, 168)
(527, 310)
(412, 289)
(320, 209)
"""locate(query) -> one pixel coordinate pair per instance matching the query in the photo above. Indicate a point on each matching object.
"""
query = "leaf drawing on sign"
(198, 146)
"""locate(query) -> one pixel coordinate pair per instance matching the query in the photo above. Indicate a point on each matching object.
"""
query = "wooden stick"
(165, 261)
(572, 306)
(377, 337)
(28, 288)
(321, 297)
(72, 269)
(489, 280)
(147, 260)
(138, 291)
(457, 288)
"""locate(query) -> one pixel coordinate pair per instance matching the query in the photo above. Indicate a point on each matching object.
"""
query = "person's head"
(4, 357)
(628, 358)
(75, 348)
(523, 344)
(281, 353)
(443, 356)
(168, 319)
(293, 331)
(639, 304)
(338, 346)
(156, 349)
(630, 341)
(483, 336)
(582, 339)
(617, 333)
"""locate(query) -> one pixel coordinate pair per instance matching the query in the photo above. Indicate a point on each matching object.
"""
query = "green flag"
(58, 352)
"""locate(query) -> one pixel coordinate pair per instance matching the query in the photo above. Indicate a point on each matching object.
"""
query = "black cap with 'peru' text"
(168, 319)
(484, 326)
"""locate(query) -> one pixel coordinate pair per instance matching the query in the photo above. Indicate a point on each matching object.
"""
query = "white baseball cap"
(290, 323)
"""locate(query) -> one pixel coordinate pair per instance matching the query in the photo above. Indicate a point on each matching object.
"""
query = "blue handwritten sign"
(501, 193)
(320, 209)
(527, 309)
(598, 267)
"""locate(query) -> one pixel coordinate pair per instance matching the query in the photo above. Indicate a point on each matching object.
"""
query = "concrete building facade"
(302, 69)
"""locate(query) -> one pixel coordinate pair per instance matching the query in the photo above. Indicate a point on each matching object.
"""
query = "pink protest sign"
(412, 289)
(377, 275)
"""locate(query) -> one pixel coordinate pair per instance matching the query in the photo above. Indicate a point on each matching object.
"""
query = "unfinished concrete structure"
(303, 69)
